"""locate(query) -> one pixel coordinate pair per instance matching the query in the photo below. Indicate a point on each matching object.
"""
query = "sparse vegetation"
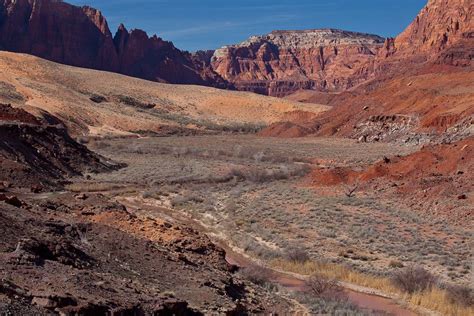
(396, 264)
(256, 275)
(322, 286)
(433, 298)
(252, 188)
(297, 254)
(350, 190)
(92, 187)
(96, 98)
(461, 294)
(130, 101)
(414, 279)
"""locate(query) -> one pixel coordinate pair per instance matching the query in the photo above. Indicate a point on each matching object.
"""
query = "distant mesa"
(283, 62)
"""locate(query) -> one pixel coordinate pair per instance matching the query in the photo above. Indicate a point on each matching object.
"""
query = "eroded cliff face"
(57, 31)
(328, 60)
(80, 36)
(276, 64)
(420, 83)
(158, 60)
(285, 61)
(442, 31)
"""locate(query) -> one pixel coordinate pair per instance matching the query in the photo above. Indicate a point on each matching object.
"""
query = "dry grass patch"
(434, 298)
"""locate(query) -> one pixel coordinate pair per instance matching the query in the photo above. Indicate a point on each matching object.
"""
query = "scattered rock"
(81, 196)
(10, 199)
(52, 301)
(36, 188)
(97, 98)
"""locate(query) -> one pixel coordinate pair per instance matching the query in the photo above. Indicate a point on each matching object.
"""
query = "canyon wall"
(286, 61)
(80, 36)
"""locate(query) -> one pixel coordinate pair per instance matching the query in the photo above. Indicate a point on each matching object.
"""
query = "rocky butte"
(282, 62)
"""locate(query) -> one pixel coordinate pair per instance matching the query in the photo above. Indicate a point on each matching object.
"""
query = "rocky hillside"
(283, 62)
(103, 103)
(80, 36)
(34, 153)
(84, 254)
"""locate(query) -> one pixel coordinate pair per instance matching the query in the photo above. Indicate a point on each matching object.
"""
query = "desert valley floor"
(259, 199)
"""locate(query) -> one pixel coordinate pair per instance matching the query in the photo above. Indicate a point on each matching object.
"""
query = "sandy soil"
(125, 104)
(437, 180)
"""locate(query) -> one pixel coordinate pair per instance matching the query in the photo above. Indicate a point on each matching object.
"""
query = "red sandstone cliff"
(80, 36)
(278, 64)
(420, 81)
(158, 60)
(285, 61)
(330, 60)
(57, 31)
(442, 31)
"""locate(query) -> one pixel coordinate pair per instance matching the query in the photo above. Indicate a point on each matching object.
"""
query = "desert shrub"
(98, 145)
(396, 264)
(130, 101)
(322, 286)
(261, 251)
(82, 140)
(257, 275)
(414, 279)
(258, 175)
(245, 128)
(297, 254)
(97, 98)
(350, 190)
(460, 294)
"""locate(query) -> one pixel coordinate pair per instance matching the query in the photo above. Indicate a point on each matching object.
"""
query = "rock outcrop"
(443, 31)
(80, 36)
(277, 64)
(416, 79)
(283, 62)
(32, 152)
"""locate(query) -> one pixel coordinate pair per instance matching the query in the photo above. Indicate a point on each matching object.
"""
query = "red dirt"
(436, 101)
(442, 160)
(284, 130)
(438, 178)
(294, 124)
(11, 114)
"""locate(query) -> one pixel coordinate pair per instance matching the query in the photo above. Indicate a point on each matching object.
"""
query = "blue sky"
(209, 24)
